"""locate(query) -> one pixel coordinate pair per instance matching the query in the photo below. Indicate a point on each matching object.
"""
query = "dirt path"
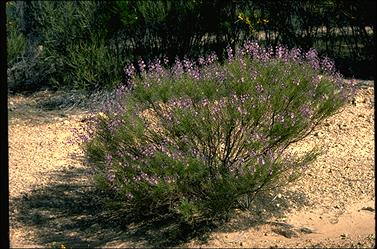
(52, 201)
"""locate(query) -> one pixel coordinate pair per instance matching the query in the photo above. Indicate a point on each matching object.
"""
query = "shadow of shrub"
(72, 212)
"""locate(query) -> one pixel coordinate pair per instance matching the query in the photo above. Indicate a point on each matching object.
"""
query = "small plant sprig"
(199, 137)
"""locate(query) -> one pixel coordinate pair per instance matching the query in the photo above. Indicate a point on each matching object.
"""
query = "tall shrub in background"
(67, 47)
(16, 44)
(196, 139)
(54, 31)
(84, 57)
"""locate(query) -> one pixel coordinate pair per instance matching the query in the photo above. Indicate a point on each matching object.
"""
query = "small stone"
(333, 220)
(368, 209)
(319, 134)
(343, 236)
(358, 100)
(306, 230)
(285, 232)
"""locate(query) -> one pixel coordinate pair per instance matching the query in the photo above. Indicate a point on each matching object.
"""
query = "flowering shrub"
(199, 137)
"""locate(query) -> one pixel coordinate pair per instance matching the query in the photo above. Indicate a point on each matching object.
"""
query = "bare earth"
(52, 201)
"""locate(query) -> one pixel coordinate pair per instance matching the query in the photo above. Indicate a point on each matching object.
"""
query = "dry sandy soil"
(52, 202)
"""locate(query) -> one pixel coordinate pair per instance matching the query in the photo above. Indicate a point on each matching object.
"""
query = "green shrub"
(67, 47)
(196, 139)
(16, 44)
(32, 71)
(91, 66)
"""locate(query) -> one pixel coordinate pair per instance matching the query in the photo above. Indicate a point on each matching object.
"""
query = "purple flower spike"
(328, 65)
(201, 61)
(129, 70)
(109, 159)
(141, 65)
(229, 51)
(312, 58)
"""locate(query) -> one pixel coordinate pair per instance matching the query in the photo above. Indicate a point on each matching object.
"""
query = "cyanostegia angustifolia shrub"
(197, 138)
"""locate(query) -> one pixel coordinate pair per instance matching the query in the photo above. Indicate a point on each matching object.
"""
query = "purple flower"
(305, 110)
(312, 57)
(177, 68)
(295, 54)
(270, 171)
(328, 65)
(252, 48)
(243, 98)
(109, 159)
(201, 61)
(281, 52)
(269, 52)
(195, 73)
(148, 150)
(259, 88)
(141, 65)
(271, 155)
(166, 60)
(84, 138)
(185, 103)
(242, 62)
(110, 176)
(280, 118)
(157, 65)
(129, 71)
(253, 74)
(119, 92)
(187, 64)
(205, 102)
(152, 180)
(114, 124)
(211, 58)
(129, 196)
(229, 51)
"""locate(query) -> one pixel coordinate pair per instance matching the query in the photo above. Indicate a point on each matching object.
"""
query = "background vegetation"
(86, 44)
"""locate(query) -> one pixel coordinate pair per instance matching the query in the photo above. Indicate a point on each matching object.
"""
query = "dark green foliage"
(66, 47)
(16, 45)
(129, 30)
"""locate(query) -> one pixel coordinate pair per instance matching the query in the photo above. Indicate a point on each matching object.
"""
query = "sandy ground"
(52, 202)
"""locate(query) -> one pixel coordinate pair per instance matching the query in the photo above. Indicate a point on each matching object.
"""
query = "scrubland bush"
(195, 139)
(60, 45)
(16, 43)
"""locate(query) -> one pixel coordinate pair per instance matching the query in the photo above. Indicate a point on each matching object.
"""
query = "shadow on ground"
(69, 211)
(47, 106)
